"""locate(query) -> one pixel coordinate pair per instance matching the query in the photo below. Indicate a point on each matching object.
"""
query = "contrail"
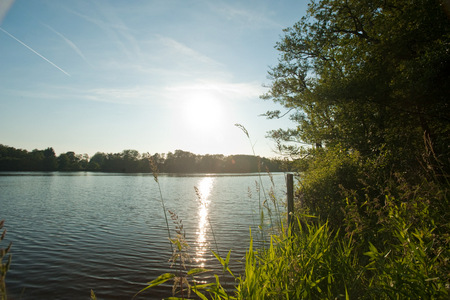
(69, 42)
(34, 51)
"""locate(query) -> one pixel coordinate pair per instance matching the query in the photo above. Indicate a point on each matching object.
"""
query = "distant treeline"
(131, 161)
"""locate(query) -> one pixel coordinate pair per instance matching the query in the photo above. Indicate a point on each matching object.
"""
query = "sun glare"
(203, 111)
(203, 190)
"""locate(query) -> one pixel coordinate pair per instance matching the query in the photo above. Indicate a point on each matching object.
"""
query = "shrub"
(327, 174)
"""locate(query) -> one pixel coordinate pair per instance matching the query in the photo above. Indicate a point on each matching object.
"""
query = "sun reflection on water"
(203, 190)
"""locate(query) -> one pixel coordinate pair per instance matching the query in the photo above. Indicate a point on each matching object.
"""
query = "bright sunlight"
(203, 190)
(203, 111)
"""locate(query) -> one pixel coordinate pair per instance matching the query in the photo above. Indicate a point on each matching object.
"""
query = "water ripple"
(107, 232)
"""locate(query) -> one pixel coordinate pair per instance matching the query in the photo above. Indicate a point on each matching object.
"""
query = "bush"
(327, 174)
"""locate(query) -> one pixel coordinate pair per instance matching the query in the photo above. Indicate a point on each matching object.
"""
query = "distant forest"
(131, 161)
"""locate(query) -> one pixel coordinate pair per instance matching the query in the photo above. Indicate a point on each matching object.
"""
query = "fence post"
(290, 199)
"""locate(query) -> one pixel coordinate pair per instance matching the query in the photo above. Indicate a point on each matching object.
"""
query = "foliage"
(398, 223)
(318, 263)
(412, 265)
(12, 159)
(312, 264)
(366, 75)
(131, 161)
(4, 266)
(367, 84)
(320, 190)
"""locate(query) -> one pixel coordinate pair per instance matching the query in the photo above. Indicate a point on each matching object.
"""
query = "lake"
(73, 232)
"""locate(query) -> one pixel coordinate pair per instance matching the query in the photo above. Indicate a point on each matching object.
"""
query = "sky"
(153, 76)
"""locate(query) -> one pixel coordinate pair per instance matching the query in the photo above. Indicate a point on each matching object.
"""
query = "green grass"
(317, 263)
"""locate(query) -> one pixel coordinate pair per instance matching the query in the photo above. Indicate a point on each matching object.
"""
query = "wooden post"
(290, 199)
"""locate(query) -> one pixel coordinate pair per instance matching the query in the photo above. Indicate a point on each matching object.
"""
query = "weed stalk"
(155, 172)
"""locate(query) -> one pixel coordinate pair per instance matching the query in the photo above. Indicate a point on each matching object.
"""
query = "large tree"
(367, 74)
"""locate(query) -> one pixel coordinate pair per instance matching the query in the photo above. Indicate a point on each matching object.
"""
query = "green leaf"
(228, 258)
(220, 259)
(203, 297)
(197, 271)
(161, 279)
(225, 262)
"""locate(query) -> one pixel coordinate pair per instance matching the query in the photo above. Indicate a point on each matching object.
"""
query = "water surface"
(73, 232)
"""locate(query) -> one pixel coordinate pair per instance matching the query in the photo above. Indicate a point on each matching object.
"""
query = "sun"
(203, 111)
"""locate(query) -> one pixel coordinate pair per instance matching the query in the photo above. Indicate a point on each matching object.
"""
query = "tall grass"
(316, 262)
(265, 198)
(298, 266)
(4, 266)
(259, 183)
(155, 172)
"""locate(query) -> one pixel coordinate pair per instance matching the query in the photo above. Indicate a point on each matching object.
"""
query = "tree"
(130, 160)
(50, 162)
(35, 160)
(131, 155)
(185, 161)
(210, 163)
(366, 75)
(97, 162)
(70, 161)
(367, 82)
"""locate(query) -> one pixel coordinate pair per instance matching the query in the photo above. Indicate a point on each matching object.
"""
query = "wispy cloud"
(34, 51)
(138, 95)
(68, 41)
(114, 28)
(252, 17)
(183, 50)
(171, 95)
(221, 90)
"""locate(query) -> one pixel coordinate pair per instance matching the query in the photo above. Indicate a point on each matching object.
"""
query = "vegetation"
(367, 83)
(4, 266)
(131, 161)
(364, 75)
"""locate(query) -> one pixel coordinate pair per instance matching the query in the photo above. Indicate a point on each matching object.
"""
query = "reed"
(155, 172)
(264, 197)
(4, 266)
(259, 184)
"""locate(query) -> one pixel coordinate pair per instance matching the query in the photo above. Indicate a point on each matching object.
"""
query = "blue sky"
(154, 76)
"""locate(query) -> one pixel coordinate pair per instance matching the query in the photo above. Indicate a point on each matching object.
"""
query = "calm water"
(73, 232)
